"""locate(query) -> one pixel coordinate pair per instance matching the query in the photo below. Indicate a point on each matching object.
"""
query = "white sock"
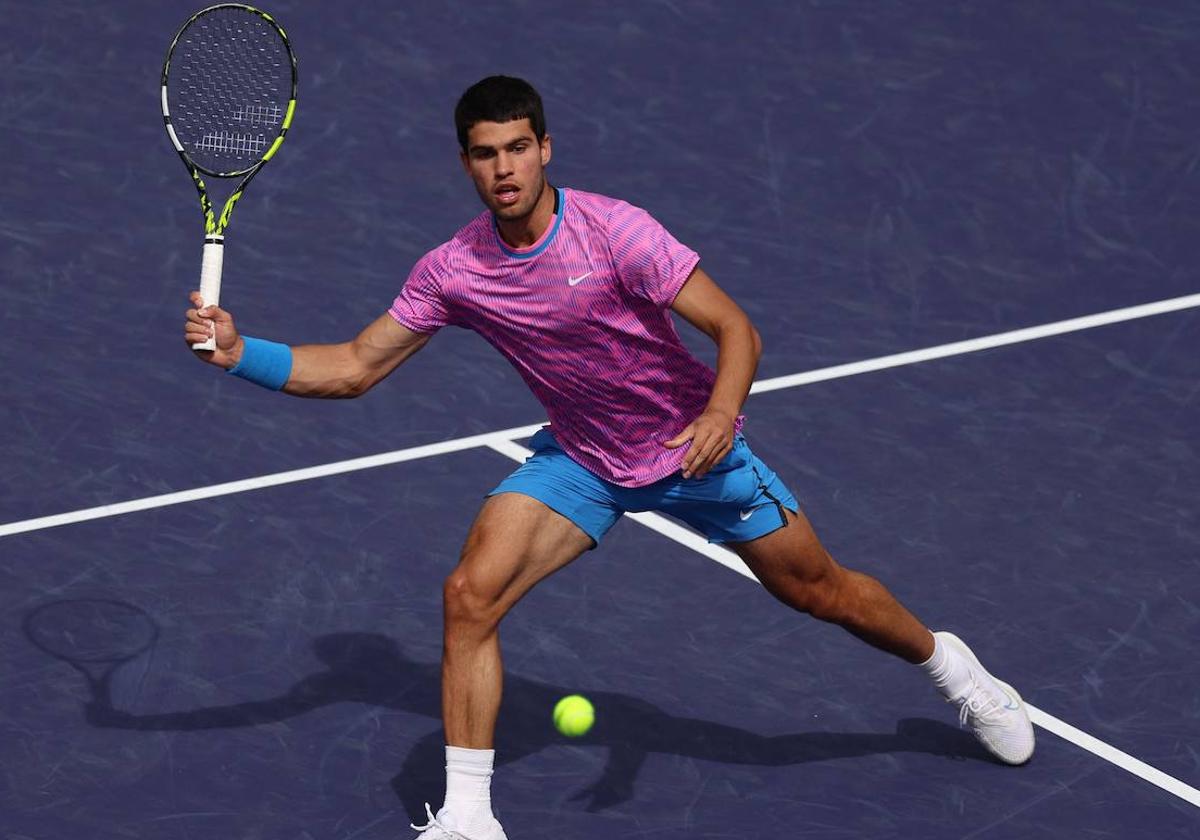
(949, 672)
(469, 787)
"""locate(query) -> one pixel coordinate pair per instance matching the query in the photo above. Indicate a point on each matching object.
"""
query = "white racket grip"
(210, 282)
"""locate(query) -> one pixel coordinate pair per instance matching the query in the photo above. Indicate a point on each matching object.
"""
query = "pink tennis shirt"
(583, 314)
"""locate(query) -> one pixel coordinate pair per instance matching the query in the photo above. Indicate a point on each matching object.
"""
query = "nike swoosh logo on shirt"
(575, 281)
(746, 514)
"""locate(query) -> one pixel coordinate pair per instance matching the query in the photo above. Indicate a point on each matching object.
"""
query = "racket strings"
(269, 115)
(230, 82)
(227, 143)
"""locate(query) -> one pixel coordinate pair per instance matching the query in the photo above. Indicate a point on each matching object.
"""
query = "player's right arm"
(318, 370)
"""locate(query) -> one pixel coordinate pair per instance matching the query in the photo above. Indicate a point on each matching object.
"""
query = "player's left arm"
(703, 305)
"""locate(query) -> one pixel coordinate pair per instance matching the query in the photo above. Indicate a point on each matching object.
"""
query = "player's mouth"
(507, 194)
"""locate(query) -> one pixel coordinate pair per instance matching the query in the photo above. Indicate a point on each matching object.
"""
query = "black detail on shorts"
(778, 504)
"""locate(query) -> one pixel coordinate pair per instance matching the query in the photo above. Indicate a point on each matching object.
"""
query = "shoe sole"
(961, 646)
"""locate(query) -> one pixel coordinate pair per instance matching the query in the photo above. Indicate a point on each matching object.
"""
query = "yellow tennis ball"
(574, 715)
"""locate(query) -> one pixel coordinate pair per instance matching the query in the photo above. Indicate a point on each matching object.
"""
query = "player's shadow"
(370, 668)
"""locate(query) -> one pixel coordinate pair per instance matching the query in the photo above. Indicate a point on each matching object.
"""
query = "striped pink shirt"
(583, 315)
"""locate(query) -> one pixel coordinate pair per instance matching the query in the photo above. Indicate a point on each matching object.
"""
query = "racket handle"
(210, 281)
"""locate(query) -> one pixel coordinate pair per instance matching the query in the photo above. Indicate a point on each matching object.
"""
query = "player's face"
(506, 162)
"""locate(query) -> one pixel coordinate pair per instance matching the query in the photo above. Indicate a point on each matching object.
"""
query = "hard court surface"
(865, 178)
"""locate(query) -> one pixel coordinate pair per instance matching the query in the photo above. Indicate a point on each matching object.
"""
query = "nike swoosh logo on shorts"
(575, 281)
(746, 514)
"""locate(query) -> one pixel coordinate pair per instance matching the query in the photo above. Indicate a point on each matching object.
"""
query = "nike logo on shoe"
(575, 281)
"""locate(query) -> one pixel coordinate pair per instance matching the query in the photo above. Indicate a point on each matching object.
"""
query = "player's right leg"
(539, 519)
(515, 542)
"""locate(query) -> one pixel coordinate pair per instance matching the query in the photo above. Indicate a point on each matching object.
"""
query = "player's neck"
(523, 232)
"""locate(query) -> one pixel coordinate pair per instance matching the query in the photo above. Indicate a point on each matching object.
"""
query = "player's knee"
(466, 603)
(822, 602)
(821, 595)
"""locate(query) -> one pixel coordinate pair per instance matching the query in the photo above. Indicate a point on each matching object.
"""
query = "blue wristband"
(264, 363)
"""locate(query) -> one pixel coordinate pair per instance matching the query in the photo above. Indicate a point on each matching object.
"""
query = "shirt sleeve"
(421, 306)
(650, 262)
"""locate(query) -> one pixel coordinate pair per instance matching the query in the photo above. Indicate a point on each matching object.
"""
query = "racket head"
(91, 631)
(228, 89)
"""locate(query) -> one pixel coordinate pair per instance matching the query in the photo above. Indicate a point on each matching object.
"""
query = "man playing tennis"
(576, 290)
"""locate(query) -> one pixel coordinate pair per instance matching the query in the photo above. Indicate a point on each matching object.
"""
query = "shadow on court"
(371, 668)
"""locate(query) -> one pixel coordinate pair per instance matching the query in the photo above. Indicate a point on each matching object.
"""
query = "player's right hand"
(203, 322)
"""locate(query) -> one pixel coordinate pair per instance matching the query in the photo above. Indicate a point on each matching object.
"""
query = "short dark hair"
(499, 99)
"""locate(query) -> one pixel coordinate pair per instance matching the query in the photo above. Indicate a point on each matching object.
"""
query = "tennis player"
(576, 290)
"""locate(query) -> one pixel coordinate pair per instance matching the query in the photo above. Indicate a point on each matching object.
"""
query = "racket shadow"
(95, 636)
(371, 668)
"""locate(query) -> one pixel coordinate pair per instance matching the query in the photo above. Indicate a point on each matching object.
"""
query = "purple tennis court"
(968, 235)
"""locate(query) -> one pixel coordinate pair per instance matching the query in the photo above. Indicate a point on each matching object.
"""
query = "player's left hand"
(711, 435)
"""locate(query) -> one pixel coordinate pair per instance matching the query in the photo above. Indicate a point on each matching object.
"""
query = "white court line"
(1110, 753)
(912, 357)
(973, 345)
(261, 481)
(662, 525)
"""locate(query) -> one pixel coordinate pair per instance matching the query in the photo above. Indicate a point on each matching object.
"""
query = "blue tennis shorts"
(739, 499)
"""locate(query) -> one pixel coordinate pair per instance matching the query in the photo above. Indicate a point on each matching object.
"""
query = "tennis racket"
(228, 96)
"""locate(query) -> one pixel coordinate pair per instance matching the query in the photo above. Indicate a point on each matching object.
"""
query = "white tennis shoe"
(991, 709)
(442, 827)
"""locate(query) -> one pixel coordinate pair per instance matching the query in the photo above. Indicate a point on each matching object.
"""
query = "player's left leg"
(742, 503)
(794, 567)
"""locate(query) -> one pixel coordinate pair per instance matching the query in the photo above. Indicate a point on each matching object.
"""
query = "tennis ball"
(574, 715)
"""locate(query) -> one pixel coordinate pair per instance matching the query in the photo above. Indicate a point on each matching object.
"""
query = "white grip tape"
(210, 284)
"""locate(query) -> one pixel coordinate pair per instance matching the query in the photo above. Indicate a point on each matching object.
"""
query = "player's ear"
(466, 161)
(545, 149)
